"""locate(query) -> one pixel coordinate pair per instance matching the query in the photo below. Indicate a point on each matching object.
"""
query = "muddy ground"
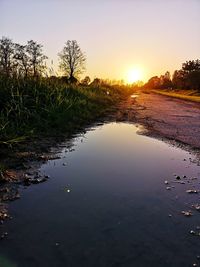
(164, 116)
(171, 119)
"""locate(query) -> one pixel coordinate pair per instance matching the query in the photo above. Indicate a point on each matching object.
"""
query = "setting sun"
(133, 75)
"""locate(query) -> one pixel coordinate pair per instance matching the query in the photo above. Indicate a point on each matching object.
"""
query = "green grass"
(181, 94)
(33, 107)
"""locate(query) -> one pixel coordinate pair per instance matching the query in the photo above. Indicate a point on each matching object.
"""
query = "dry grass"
(189, 95)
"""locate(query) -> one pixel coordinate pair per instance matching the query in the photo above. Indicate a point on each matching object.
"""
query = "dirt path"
(165, 117)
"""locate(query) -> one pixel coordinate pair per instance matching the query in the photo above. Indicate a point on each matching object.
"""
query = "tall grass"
(31, 107)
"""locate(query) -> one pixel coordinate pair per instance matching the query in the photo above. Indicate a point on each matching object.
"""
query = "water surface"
(106, 204)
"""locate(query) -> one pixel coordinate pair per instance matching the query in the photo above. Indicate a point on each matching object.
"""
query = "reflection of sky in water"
(106, 204)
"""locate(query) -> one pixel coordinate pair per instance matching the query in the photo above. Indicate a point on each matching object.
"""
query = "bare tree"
(72, 59)
(6, 55)
(22, 60)
(36, 57)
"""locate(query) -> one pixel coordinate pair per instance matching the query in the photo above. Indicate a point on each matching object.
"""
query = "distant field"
(190, 95)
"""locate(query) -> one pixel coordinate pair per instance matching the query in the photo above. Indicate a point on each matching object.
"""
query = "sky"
(150, 36)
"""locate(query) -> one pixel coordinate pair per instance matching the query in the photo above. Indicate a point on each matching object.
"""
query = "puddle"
(134, 96)
(115, 199)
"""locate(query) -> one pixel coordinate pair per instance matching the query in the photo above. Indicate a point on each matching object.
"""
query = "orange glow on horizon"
(133, 75)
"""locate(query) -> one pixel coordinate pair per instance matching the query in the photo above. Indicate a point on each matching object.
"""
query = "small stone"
(4, 235)
(192, 232)
(197, 207)
(168, 188)
(17, 196)
(192, 191)
(178, 177)
(166, 182)
(187, 213)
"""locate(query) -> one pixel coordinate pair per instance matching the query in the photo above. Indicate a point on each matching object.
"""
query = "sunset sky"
(152, 36)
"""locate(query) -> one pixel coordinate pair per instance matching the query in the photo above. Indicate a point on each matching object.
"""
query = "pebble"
(192, 191)
(197, 207)
(187, 213)
(4, 235)
(168, 188)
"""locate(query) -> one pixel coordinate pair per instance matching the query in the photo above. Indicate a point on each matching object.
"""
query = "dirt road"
(165, 117)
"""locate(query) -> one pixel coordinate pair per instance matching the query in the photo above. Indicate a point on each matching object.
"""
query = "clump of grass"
(42, 106)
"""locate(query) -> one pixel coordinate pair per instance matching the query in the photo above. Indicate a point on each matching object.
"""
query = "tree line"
(188, 77)
(29, 60)
(17, 60)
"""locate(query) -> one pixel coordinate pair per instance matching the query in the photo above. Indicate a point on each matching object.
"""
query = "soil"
(174, 120)
(164, 116)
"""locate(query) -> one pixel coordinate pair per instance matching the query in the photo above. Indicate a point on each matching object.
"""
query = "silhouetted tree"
(189, 76)
(6, 56)
(72, 59)
(22, 60)
(165, 81)
(86, 80)
(36, 58)
(153, 83)
(96, 82)
(193, 80)
(179, 79)
(191, 65)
